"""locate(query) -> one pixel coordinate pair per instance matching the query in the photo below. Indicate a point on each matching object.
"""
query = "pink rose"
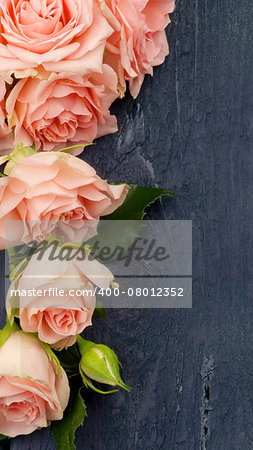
(31, 393)
(54, 191)
(139, 41)
(60, 108)
(56, 326)
(6, 139)
(60, 35)
(64, 296)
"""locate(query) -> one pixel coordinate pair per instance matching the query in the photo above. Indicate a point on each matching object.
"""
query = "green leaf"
(112, 234)
(137, 200)
(70, 358)
(3, 437)
(100, 313)
(74, 415)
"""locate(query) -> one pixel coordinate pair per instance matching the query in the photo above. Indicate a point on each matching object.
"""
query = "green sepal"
(73, 147)
(11, 325)
(88, 384)
(20, 152)
(4, 336)
(8, 330)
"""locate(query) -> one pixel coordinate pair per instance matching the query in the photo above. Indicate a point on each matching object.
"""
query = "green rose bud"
(99, 363)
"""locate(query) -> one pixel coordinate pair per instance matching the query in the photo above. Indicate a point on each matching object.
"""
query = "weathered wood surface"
(189, 130)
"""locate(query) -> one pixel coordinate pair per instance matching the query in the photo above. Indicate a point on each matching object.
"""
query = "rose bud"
(32, 391)
(99, 363)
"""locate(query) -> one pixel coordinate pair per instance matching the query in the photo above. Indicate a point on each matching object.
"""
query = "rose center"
(60, 319)
(34, 11)
(20, 411)
(34, 20)
(75, 214)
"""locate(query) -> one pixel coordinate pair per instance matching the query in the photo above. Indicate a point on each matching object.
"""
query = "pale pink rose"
(31, 393)
(52, 190)
(57, 108)
(60, 35)
(6, 139)
(56, 326)
(64, 296)
(139, 41)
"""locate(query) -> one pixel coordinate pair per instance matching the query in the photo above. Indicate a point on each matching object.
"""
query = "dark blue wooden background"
(189, 130)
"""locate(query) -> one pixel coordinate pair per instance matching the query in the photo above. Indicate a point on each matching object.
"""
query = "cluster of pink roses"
(63, 63)
(44, 194)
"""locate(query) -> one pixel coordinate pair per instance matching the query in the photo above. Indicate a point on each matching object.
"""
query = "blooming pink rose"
(6, 139)
(60, 35)
(60, 108)
(139, 40)
(57, 318)
(52, 190)
(56, 326)
(31, 393)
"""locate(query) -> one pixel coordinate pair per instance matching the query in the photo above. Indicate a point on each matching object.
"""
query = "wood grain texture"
(189, 130)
